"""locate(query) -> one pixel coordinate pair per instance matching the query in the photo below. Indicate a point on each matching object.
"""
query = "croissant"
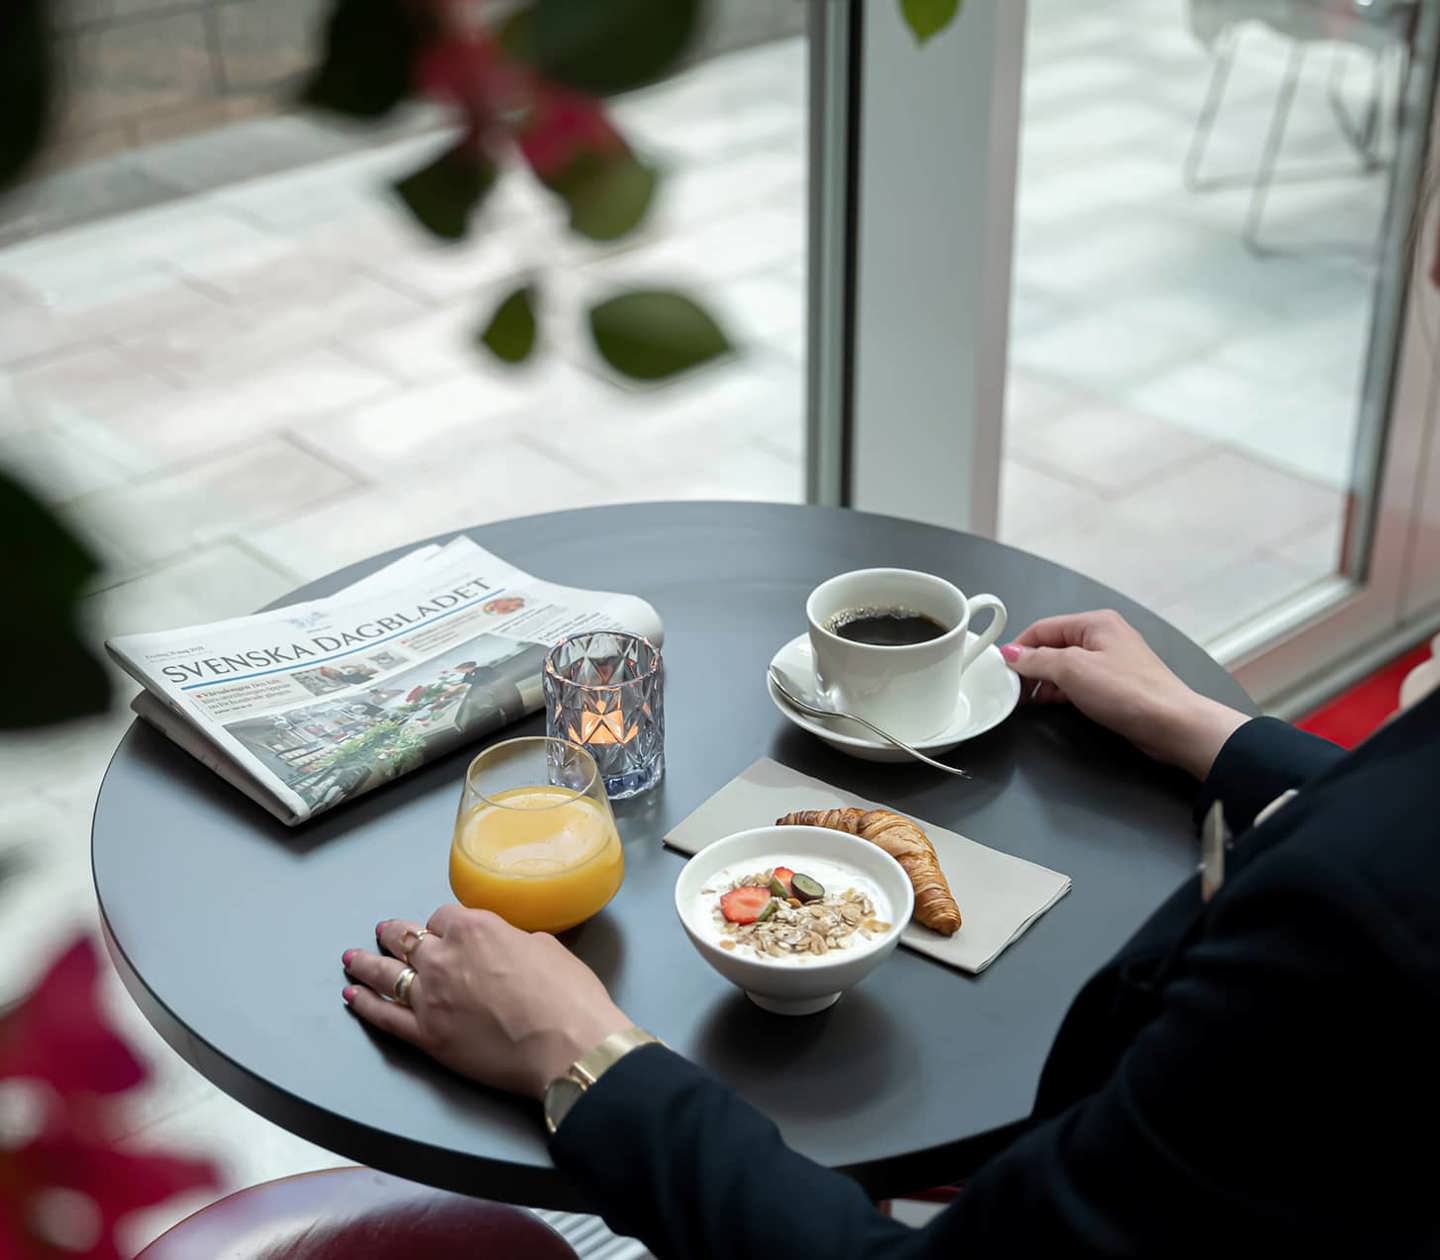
(904, 841)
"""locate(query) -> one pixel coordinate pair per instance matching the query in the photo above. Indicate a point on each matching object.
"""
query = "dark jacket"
(1255, 1076)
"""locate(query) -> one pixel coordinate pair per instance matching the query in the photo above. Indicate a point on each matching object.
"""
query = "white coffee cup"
(912, 689)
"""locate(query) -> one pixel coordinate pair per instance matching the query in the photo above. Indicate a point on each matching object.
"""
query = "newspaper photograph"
(309, 705)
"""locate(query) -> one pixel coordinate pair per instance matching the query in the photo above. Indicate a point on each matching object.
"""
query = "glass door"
(1204, 378)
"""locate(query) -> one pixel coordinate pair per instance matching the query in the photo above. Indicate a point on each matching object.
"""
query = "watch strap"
(589, 1068)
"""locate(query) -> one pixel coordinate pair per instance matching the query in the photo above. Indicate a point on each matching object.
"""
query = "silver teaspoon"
(792, 696)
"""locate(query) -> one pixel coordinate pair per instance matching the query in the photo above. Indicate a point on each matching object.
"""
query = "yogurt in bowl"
(797, 916)
(832, 915)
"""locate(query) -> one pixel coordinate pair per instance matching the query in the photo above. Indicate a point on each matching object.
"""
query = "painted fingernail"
(348, 994)
(347, 956)
(380, 927)
(1011, 652)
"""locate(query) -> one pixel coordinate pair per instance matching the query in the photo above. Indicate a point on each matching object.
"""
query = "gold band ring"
(401, 988)
(407, 949)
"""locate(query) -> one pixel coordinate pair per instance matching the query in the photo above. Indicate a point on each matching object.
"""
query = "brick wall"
(145, 70)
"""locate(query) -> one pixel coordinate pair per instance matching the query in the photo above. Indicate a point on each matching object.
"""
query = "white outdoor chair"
(1383, 28)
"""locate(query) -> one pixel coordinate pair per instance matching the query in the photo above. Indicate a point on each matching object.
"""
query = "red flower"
(504, 100)
(57, 1034)
(470, 71)
(64, 1183)
(36, 1221)
(564, 125)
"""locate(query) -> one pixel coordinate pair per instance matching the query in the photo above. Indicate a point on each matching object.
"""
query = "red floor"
(1350, 717)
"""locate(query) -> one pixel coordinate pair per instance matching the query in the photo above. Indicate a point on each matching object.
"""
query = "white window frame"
(912, 219)
(913, 175)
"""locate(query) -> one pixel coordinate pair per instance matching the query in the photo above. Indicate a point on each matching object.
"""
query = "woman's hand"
(507, 1008)
(1099, 663)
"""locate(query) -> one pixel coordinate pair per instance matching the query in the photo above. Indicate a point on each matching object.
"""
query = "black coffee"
(885, 627)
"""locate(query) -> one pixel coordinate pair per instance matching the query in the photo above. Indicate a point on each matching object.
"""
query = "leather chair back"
(356, 1214)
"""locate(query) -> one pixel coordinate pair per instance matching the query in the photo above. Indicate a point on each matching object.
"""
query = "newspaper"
(309, 705)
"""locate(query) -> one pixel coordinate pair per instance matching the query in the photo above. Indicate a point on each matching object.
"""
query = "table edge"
(535, 1185)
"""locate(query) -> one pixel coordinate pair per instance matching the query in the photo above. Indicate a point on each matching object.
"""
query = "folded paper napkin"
(999, 895)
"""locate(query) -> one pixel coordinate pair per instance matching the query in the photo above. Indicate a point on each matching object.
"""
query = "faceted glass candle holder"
(605, 690)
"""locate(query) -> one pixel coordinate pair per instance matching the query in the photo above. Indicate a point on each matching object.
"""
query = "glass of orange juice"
(535, 840)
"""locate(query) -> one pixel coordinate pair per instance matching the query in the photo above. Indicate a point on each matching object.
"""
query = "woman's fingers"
(1051, 665)
(377, 972)
(449, 917)
(1066, 630)
(1070, 629)
(391, 1017)
(398, 936)
(1043, 671)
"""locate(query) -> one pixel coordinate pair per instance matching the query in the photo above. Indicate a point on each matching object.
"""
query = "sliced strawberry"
(784, 874)
(743, 905)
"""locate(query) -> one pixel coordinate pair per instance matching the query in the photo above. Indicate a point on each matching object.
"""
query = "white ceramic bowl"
(793, 988)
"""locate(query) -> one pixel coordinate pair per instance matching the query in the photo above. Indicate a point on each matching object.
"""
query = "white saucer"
(989, 692)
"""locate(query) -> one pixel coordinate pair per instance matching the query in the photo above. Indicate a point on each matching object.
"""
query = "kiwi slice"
(777, 886)
(803, 888)
(770, 907)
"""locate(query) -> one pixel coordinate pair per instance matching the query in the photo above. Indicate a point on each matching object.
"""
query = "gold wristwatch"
(564, 1091)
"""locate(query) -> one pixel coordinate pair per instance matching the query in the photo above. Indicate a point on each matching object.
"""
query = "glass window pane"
(1204, 191)
(218, 319)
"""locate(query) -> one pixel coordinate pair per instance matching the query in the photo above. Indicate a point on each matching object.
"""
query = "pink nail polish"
(1011, 652)
(348, 995)
(347, 956)
(380, 927)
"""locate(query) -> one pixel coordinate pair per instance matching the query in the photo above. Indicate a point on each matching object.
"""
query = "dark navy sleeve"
(1230, 1124)
(679, 1161)
(1259, 761)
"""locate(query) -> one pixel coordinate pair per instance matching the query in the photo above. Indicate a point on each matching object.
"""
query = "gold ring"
(406, 951)
(401, 988)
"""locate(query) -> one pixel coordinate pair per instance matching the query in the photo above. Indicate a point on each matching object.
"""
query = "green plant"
(928, 18)
(528, 89)
(27, 69)
(47, 672)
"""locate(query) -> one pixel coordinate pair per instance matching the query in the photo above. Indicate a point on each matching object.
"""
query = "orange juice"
(541, 858)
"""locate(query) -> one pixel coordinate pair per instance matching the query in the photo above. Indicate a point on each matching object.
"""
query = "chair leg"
(1214, 95)
(1396, 116)
(1363, 134)
(1402, 82)
(1265, 176)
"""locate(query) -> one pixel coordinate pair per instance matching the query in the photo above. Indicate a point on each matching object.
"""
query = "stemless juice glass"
(535, 840)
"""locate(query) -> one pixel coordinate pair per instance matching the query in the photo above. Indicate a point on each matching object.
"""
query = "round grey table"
(228, 927)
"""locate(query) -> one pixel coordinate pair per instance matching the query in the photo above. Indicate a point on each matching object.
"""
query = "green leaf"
(443, 195)
(608, 194)
(364, 69)
(929, 17)
(47, 672)
(510, 334)
(605, 46)
(651, 334)
(27, 71)
(516, 33)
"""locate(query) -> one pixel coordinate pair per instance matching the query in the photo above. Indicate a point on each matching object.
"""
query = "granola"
(779, 913)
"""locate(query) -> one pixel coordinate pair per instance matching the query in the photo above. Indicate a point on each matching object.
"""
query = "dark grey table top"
(228, 927)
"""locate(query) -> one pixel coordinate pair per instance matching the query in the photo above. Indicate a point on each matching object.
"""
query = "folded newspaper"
(306, 706)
